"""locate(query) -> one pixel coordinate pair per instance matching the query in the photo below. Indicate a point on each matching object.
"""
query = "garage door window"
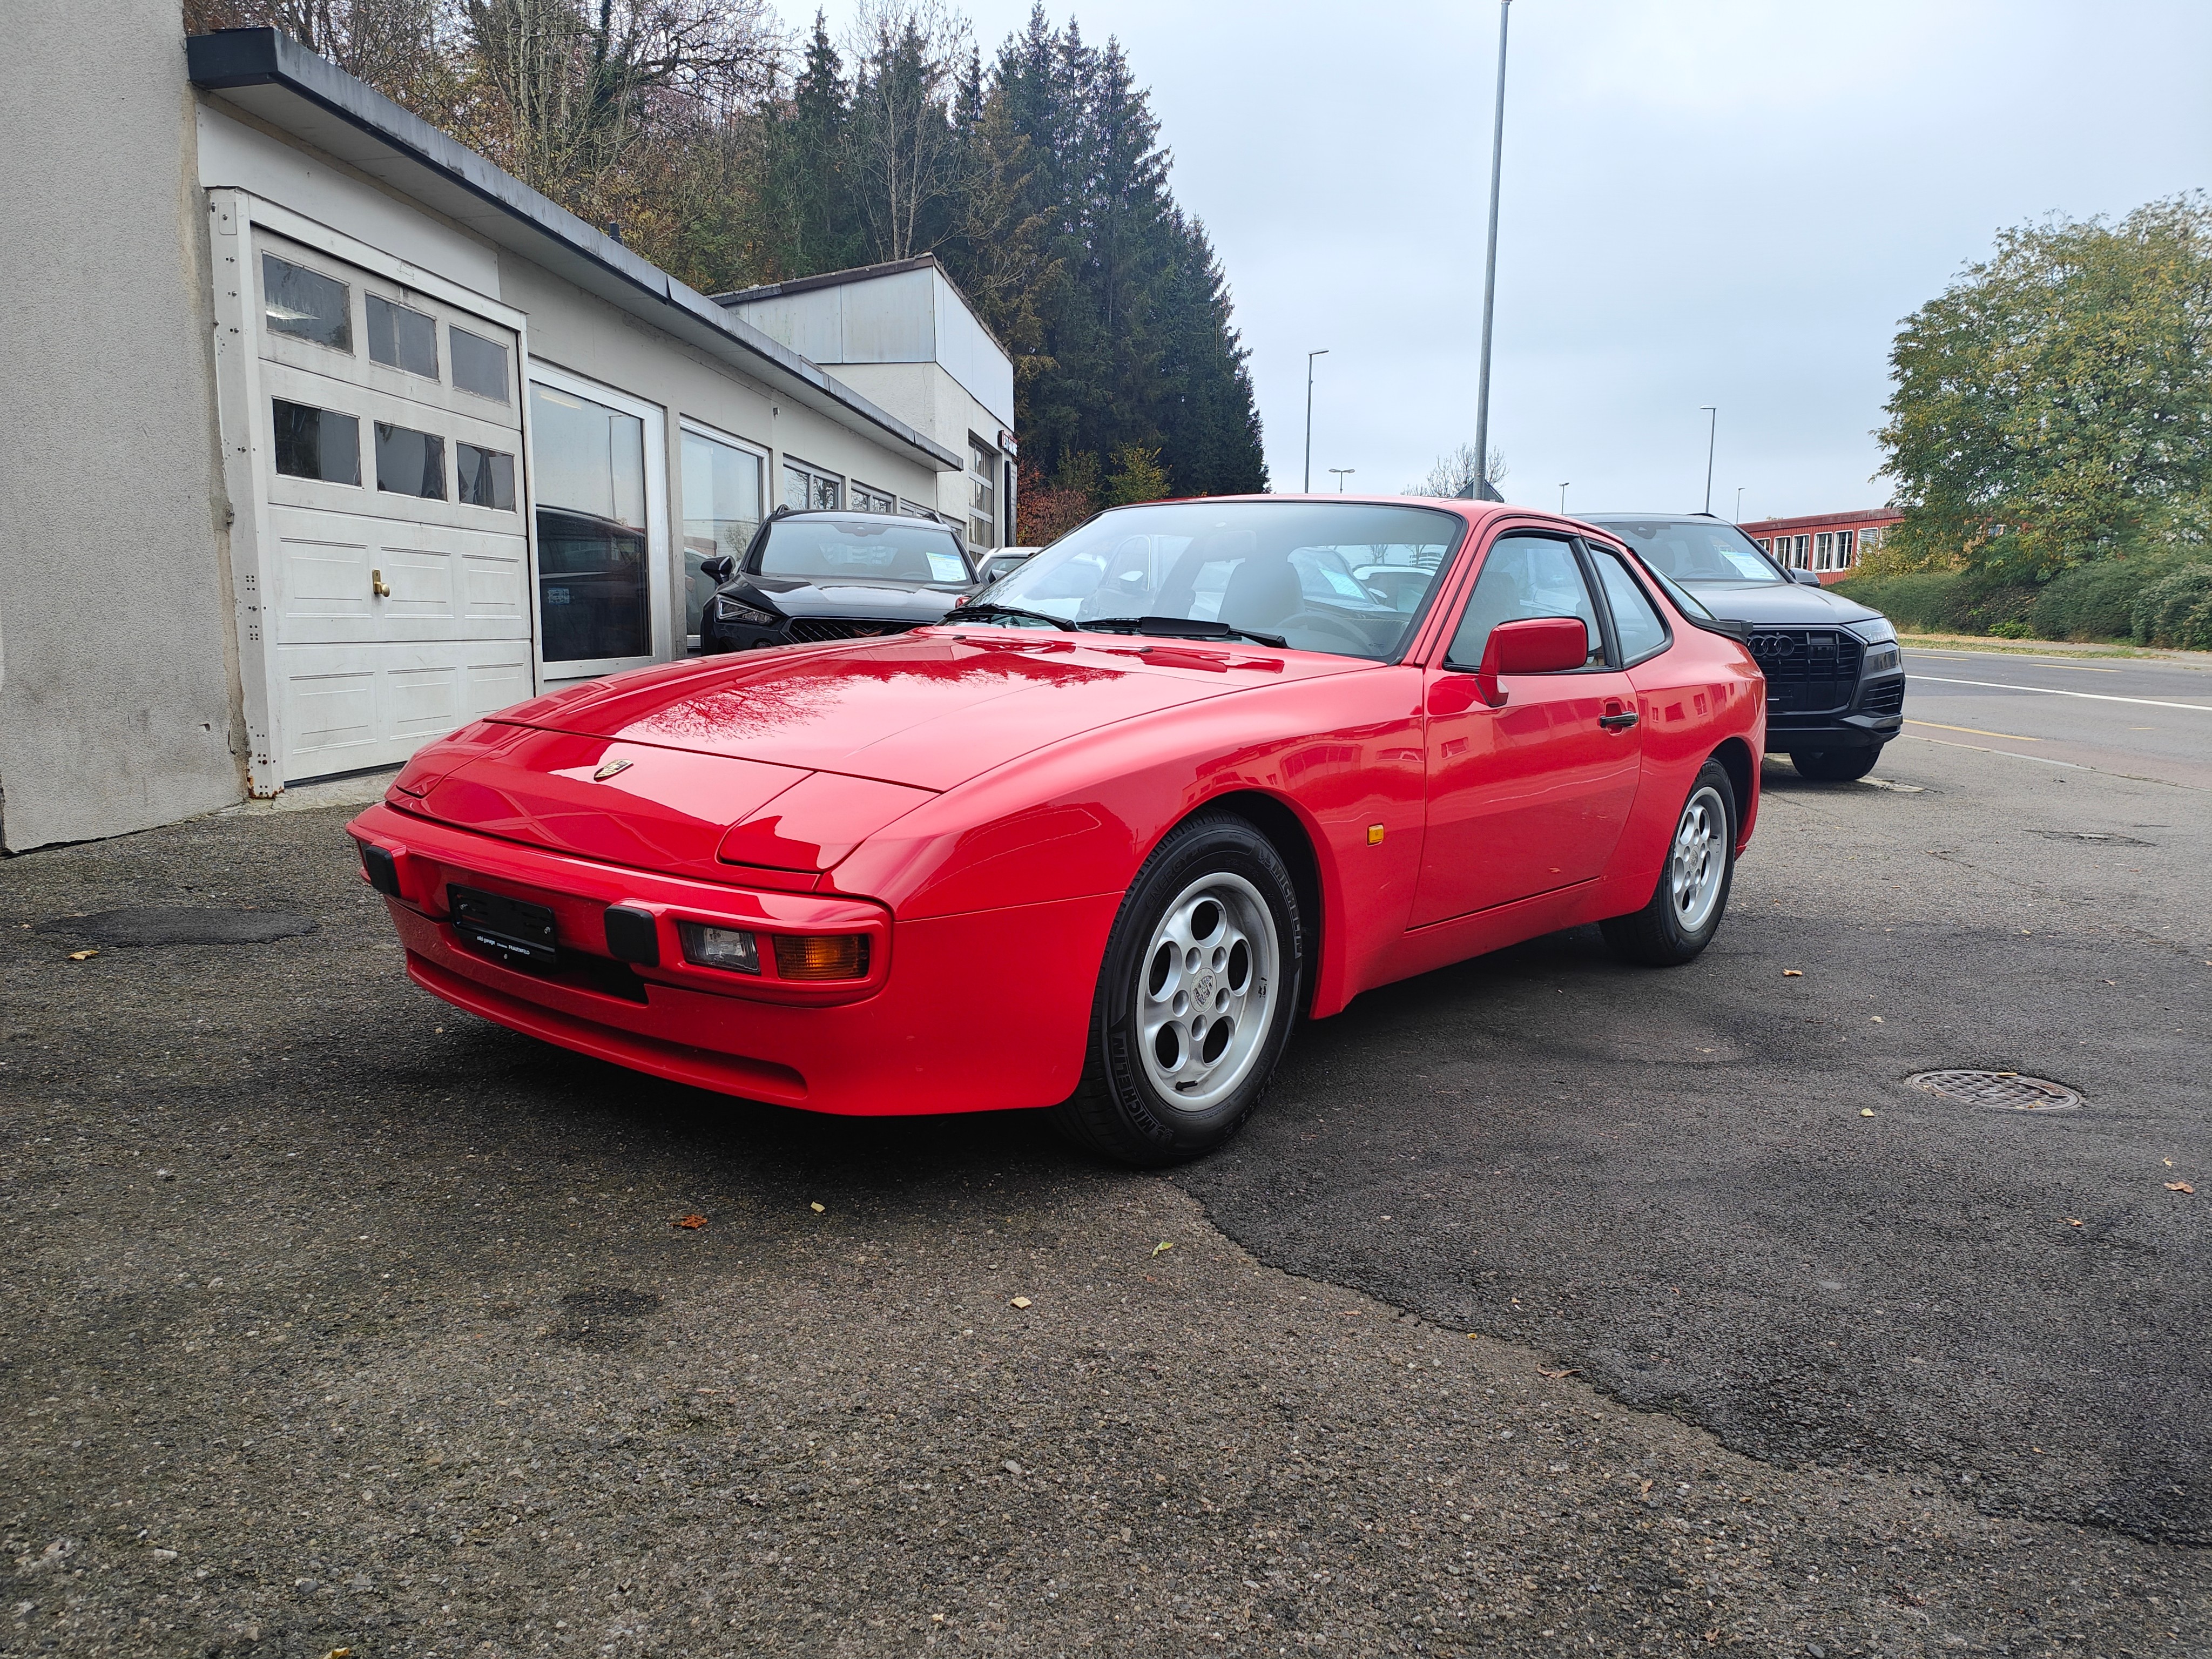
(317, 443)
(410, 463)
(402, 337)
(479, 365)
(592, 548)
(306, 304)
(484, 478)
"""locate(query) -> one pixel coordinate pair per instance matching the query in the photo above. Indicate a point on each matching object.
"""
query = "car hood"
(1778, 604)
(901, 601)
(925, 711)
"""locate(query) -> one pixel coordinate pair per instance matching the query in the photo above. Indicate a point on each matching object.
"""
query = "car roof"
(846, 515)
(1662, 518)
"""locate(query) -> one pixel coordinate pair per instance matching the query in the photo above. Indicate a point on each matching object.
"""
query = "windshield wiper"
(969, 612)
(1182, 628)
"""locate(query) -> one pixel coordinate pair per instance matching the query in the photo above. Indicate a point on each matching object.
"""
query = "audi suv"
(1835, 678)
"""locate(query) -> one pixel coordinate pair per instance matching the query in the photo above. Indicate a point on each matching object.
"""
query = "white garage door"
(390, 459)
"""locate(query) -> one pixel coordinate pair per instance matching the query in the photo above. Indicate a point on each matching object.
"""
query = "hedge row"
(2163, 599)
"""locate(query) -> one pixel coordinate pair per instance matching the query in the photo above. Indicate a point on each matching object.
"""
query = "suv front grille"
(1885, 700)
(1809, 670)
(814, 629)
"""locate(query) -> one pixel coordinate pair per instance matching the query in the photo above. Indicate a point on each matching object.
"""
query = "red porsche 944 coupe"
(1094, 842)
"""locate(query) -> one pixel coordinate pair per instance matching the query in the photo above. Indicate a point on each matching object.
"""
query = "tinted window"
(401, 338)
(593, 583)
(410, 463)
(1638, 624)
(317, 443)
(484, 478)
(1697, 550)
(1523, 576)
(888, 549)
(305, 303)
(479, 365)
(722, 510)
(1344, 579)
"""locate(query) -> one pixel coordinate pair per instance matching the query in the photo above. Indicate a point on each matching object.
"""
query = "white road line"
(2053, 691)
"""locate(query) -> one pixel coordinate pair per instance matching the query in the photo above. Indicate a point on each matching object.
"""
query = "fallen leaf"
(1877, 1020)
(818, 1209)
(1793, 973)
(1866, 1111)
(1164, 1244)
(2072, 1222)
(2180, 1187)
(83, 955)
(1572, 1371)
(1021, 1302)
(2168, 1162)
(690, 1222)
(339, 1653)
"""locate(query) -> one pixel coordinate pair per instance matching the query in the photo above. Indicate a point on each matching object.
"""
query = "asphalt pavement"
(1547, 1307)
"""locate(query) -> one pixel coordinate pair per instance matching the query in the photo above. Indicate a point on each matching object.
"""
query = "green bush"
(2176, 609)
(2097, 600)
(1924, 601)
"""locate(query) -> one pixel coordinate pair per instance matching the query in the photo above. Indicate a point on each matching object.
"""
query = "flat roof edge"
(231, 58)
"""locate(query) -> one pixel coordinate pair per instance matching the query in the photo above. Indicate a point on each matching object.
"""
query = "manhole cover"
(164, 924)
(2008, 1091)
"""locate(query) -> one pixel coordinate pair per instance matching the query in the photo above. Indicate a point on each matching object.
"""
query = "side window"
(1642, 630)
(400, 337)
(1524, 576)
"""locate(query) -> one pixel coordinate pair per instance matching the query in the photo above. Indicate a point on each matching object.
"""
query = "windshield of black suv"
(885, 549)
(1697, 550)
(1347, 579)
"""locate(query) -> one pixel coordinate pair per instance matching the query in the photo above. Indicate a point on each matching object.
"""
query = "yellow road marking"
(1976, 730)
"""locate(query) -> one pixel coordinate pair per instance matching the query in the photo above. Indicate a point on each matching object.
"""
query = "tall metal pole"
(1712, 430)
(1310, 356)
(1489, 266)
(1342, 473)
(1738, 503)
(1563, 500)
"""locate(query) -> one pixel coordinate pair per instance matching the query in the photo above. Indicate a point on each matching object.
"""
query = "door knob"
(1617, 719)
(378, 586)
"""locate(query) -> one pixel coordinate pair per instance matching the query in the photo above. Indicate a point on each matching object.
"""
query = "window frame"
(436, 376)
(787, 462)
(1609, 645)
(1591, 548)
(691, 426)
(262, 256)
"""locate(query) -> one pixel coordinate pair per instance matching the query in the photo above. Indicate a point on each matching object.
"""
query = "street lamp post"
(1490, 267)
(1738, 503)
(1310, 356)
(1342, 473)
(1563, 500)
(1712, 430)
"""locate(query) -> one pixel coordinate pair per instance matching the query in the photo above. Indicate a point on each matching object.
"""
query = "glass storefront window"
(593, 575)
(806, 488)
(722, 510)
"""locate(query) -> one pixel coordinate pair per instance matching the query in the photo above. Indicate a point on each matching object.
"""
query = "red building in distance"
(1826, 543)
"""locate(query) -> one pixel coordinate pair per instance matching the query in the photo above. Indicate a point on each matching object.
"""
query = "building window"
(866, 500)
(594, 581)
(400, 337)
(306, 304)
(410, 463)
(479, 365)
(1847, 553)
(722, 509)
(484, 478)
(1823, 551)
(806, 487)
(914, 509)
(1797, 555)
(1765, 543)
(983, 494)
(317, 443)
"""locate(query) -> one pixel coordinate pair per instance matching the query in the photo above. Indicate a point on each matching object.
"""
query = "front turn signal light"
(731, 949)
(822, 956)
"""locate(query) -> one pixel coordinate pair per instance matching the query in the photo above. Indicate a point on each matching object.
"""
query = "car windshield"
(1697, 550)
(862, 550)
(1344, 578)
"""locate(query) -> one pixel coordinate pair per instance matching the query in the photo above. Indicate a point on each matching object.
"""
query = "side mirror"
(1804, 578)
(1533, 645)
(718, 569)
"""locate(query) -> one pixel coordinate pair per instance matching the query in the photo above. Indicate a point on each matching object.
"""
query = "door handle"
(378, 586)
(1619, 722)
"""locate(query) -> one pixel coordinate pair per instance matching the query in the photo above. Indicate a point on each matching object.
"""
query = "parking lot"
(1549, 1306)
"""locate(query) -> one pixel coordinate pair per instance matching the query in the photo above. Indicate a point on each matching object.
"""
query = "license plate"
(509, 930)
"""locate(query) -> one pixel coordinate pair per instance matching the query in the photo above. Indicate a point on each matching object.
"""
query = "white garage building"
(327, 435)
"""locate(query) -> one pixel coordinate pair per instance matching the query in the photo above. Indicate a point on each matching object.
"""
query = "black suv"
(1835, 680)
(813, 576)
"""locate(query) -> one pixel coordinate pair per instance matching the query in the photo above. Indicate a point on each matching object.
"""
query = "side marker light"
(822, 956)
(1374, 835)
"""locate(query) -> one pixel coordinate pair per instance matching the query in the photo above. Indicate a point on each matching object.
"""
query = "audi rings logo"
(1775, 645)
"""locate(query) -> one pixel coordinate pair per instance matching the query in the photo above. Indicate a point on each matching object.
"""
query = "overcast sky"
(1726, 201)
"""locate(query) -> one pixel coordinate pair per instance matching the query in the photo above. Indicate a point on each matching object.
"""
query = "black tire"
(1657, 935)
(1834, 765)
(1121, 1110)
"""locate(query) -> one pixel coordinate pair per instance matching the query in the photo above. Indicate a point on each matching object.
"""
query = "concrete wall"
(925, 395)
(116, 704)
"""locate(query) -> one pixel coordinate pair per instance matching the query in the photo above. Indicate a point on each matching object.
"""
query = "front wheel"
(1834, 765)
(1685, 909)
(1196, 999)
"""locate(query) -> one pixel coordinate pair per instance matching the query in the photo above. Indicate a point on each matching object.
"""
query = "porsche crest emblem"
(608, 771)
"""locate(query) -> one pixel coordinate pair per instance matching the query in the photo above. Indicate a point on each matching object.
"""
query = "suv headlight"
(730, 610)
(1874, 631)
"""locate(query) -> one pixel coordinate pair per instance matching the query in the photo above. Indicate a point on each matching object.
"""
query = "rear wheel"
(1195, 998)
(1834, 765)
(1685, 908)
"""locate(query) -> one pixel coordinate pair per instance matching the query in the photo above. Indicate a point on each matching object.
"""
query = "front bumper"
(1876, 715)
(909, 1039)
